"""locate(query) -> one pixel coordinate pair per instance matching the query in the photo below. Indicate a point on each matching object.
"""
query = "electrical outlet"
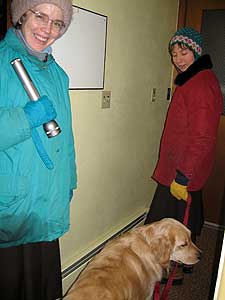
(106, 99)
(153, 94)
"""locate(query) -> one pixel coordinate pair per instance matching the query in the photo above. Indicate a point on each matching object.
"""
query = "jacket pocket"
(13, 192)
(13, 188)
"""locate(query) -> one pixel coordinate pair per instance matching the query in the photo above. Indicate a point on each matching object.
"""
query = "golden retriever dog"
(129, 266)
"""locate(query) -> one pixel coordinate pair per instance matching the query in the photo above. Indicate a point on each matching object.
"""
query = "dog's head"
(184, 250)
(168, 240)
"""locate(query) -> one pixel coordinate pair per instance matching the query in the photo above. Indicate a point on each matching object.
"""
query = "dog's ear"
(161, 247)
(147, 231)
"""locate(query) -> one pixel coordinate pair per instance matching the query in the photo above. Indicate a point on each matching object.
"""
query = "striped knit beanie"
(190, 38)
(20, 7)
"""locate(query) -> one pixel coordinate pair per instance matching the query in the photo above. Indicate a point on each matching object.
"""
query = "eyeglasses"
(43, 20)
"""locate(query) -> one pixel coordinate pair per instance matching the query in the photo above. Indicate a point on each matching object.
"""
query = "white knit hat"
(20, 7)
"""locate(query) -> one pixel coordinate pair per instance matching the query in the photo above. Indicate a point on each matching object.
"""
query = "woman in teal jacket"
(37, 173)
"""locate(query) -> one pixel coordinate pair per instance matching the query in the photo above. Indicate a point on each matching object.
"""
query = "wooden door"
(5, 20)
(8, 13)
(190, 14)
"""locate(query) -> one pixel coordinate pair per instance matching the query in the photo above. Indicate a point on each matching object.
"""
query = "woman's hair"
(20, 21)
(180, 45)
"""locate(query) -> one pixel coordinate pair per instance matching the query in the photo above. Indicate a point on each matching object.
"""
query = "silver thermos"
(51, 128)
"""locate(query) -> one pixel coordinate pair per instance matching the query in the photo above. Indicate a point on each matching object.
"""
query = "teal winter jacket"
(34, 201)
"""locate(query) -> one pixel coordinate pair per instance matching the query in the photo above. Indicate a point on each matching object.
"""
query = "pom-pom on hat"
(20, 7)
(190, 38)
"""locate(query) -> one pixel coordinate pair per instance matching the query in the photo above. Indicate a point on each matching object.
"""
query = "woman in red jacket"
(188, 141)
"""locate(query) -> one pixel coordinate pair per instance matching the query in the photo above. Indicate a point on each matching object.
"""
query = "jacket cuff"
(181, 178)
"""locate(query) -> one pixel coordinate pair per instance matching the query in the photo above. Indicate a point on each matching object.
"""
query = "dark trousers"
(165, 205)
(31, 272)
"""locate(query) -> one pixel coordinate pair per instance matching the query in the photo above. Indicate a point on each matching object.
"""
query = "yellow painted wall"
(117, 148)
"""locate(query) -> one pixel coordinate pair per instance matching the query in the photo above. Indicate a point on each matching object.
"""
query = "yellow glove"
(179, 191)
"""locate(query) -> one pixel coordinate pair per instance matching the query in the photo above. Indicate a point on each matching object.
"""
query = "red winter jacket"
(189, 136)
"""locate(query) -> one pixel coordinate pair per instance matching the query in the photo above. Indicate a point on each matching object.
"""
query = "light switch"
(168, 95)
(153, 94)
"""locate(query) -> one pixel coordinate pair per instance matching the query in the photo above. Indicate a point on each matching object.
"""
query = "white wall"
(117, 148)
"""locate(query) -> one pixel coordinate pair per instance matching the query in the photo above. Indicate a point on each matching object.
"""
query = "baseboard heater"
(93, 252)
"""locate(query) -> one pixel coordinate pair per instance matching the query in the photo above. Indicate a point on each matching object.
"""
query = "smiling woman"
(35, 192)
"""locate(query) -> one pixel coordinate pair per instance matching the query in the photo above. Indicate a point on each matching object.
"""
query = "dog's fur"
(129, 266)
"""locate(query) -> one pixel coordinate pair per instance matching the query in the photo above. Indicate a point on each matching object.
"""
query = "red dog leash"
(186, 214)
(169, 283)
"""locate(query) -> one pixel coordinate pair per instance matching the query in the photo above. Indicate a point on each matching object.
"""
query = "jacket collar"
(204, 62)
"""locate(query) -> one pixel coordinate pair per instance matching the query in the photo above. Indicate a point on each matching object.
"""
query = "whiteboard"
(81, 50)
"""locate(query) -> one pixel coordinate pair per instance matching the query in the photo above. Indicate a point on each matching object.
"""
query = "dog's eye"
(183, 245)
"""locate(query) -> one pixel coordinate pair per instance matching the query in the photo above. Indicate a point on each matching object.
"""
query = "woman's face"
(38, 34)
(182, 57)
